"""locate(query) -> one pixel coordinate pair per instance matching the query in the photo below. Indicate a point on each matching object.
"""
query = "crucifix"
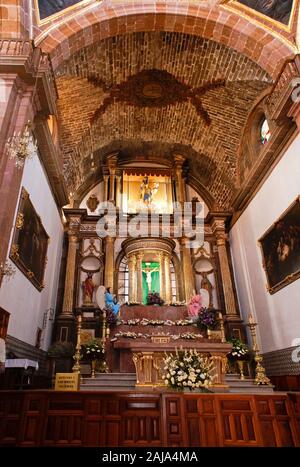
(148, 271)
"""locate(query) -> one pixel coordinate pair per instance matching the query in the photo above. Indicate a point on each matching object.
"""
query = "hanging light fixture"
(6, 269)
(22, 146)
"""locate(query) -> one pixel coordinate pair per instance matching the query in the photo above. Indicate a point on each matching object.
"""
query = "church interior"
(150, 223)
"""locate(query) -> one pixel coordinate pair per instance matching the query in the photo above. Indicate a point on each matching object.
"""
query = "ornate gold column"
(132, 277)
(226, 275)
(105, 189)
(139, 277)
(162, 271)
(180, 189)
(118, 192)
(187, 269)
(112, 161)
(67, 309)
(109, 262)
(168, 279)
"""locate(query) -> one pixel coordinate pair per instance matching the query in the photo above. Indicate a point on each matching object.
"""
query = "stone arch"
(96, 22)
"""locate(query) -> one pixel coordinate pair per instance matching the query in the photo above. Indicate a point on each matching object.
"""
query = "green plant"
(61, 349)
(188, 369)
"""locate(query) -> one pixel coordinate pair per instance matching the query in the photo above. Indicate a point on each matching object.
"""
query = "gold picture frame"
(249, 13)
(30, 242)
(280, 249)
(58, 12)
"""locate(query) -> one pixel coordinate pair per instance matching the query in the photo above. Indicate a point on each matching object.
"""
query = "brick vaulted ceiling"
(211, 150)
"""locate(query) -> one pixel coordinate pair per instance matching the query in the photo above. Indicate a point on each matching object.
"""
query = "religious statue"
(147, 191)
(88, 287)
(111, 302)
(194, 305)
(148, 271)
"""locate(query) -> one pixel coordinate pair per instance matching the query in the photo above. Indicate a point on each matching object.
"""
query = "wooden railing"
(48, 418)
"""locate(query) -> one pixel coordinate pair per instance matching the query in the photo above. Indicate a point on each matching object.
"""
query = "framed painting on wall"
(50, 9)
(280, 247)
(30, 242)
(278, 10)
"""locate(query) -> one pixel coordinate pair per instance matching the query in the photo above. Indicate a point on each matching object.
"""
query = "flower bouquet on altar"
(111, 318)
(94, 351)
(208, 319)
(154, 299)
(239, 354)
(240, 351)
(187, 369)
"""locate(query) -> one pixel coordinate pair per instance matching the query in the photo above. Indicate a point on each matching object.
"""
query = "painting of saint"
(279, 10)
(148, 191)
(281, 249)
(30, 242)
(51, 7)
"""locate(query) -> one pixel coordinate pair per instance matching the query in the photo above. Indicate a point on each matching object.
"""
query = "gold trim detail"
(20, 221)
(59, 13)
(249, 14)
(14, 252)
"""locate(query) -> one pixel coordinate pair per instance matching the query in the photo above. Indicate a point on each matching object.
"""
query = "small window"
(265, 132)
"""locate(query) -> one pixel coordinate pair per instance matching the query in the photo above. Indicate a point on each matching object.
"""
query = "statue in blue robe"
(110, 302)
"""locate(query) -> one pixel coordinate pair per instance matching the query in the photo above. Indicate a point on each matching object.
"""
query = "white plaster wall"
(18, 296)
(278, 315)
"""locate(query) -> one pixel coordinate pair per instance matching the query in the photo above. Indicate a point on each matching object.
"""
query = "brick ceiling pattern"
(211, 150)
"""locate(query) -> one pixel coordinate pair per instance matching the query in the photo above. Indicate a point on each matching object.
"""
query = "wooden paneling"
(48, 418)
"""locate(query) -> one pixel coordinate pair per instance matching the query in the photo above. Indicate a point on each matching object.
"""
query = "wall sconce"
(6, 269)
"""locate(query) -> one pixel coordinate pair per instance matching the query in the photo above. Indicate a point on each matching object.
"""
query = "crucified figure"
(148, 271)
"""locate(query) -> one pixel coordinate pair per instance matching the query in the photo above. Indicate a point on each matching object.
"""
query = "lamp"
(22, 146)
(6, 269)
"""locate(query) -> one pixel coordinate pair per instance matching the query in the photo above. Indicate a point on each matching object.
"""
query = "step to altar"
(109, 382)
(246, 386)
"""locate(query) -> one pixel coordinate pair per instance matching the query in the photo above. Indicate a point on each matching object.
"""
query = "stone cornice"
(51, 159)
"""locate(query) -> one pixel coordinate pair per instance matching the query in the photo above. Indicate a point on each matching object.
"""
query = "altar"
(145, 335)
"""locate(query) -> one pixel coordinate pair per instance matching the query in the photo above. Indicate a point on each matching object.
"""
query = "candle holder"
(240, 364)
(77, 356)
(260, 372)
(220, 318)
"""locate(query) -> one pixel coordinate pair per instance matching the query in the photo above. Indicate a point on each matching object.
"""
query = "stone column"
(168, 279)
(105, 188)
(109, 263)
(226, 275)
(139, 277)
(187, 269)
(67, 309)
(162, 271)
(132, 278)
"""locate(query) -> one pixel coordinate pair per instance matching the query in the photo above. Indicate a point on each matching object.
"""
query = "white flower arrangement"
(132, 335)
(156, 322)
(239, 351)
(187, 336)
(135, 335)
(188, 369)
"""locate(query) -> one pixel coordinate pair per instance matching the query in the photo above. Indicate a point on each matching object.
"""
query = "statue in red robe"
(88, 287)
